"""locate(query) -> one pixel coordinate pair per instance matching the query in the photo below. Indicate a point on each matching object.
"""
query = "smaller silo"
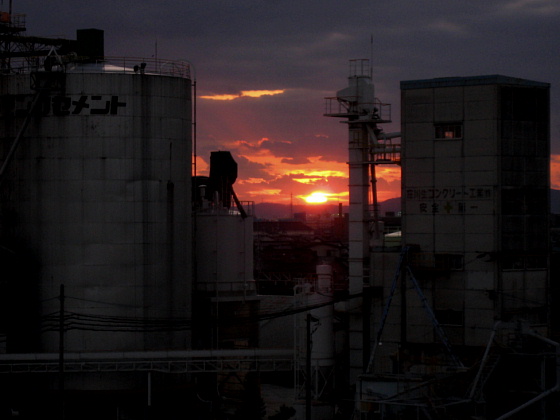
(225, 287)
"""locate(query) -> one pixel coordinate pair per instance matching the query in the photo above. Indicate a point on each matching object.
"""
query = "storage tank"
(315, 344)
(323, 337)
(97, 198)
(226, 303)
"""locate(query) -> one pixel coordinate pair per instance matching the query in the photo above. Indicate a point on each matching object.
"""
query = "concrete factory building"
(442, 325)
(476, 200)
(470, 291)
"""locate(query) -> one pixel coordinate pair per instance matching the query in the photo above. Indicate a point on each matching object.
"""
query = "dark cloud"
(252, 169)
(278, 148)
(304, 47)
(296, 160)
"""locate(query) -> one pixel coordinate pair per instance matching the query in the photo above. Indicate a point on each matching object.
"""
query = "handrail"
(226, 360)
(340, 106)
(127, 65)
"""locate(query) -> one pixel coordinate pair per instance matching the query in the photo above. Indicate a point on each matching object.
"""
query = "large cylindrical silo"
(98, 198)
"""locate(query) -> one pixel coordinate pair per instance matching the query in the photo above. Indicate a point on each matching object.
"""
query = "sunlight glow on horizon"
(280, 182)
(316, 197)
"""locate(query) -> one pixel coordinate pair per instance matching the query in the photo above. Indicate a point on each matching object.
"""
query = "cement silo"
(97, 198)
(226, 303)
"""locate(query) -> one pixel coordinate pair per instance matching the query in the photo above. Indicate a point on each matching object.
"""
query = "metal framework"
(437, 327)
(19, 52)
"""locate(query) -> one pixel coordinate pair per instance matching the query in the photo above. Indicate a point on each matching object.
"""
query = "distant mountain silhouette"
(283, 211)
(391, 205)
(271, 211)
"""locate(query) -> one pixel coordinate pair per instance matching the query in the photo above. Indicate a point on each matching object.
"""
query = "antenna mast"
(371, 56)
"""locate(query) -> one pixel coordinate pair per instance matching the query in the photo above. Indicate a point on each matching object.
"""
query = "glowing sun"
(316, 197)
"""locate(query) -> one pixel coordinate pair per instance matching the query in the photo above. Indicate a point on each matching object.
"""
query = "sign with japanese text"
(61, 105)
(451, 193)
(446, 200)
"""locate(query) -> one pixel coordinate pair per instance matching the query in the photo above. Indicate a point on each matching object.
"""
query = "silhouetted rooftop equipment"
(223, 173)
(90, 44)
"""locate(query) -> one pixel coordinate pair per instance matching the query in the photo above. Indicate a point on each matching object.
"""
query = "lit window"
(449, 131)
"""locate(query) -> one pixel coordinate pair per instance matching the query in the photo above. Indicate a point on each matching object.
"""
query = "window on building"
(449, 317)
(449, 131)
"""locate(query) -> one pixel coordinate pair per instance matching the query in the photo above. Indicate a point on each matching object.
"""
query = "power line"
(88, 322)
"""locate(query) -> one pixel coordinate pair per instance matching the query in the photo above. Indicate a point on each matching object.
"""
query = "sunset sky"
(264, 67)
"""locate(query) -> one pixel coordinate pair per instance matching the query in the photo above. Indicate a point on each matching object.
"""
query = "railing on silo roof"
(129, 65)
(157, 66)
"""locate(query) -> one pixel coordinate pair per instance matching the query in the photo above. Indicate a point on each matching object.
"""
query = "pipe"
(543, 394)
(484, 358)
(528, 403)
(143, 355)
(149, 389)
(391, 135)
(15, 144)
(308, 369)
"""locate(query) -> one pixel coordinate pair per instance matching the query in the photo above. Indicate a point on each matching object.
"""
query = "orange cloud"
(259, 93)
(266, 192)
(388, 173)
(320, 173)
(243, 94)
(299, 180)
(201, 165)
(266, 174)
(252, 181)
(555, 172)
(224, 97)
(307, 180)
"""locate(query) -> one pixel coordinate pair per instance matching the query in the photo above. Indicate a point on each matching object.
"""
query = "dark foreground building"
(474, 296)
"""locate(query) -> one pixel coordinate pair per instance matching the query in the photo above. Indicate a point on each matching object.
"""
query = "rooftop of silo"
(124, 65)
(131, 65)
(493, 79)
(23, 54)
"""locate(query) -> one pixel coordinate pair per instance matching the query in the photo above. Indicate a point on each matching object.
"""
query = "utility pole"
(308, 371)
(291, 206)
(61, 352)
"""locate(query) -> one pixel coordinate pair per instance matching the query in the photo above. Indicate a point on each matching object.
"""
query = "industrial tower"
(368, 146)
